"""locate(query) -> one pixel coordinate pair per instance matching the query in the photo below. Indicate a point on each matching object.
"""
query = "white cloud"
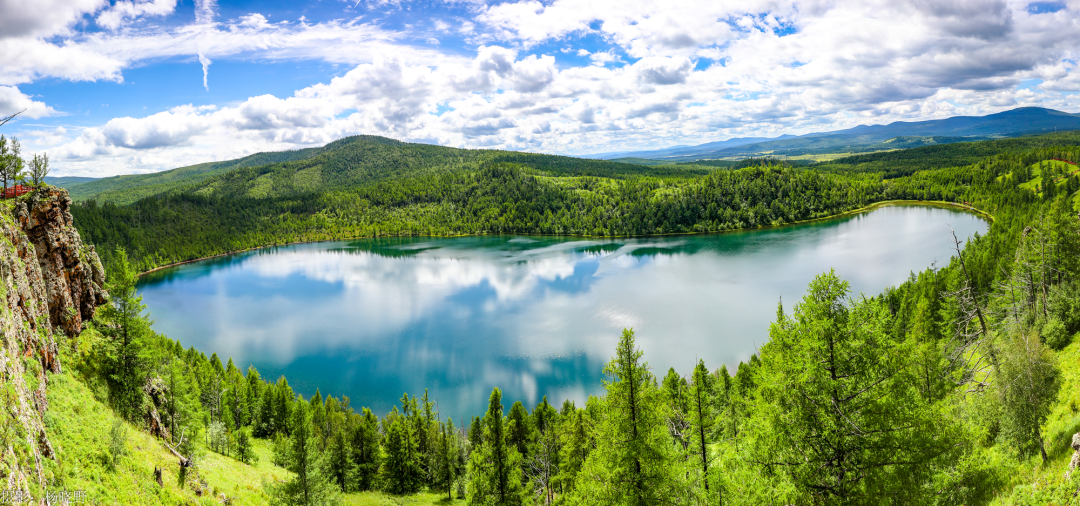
(12, 101)
(663, 70)
(123, 11)
(43, 18)
(664, 74)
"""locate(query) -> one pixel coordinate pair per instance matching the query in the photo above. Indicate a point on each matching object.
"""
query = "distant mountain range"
(860, 139)
(866, 138)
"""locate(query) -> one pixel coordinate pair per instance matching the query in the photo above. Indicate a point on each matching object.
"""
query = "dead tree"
(972, 343)
(9, 118)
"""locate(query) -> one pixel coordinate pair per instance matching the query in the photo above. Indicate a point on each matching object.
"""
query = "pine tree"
(283, 400)
(179, 407)
(341, 465)
(574, 446)
(675, 392)
(244, 452)
(521, 431)
(544, 416)
(446, 467)
(495, 467)
(427, 431)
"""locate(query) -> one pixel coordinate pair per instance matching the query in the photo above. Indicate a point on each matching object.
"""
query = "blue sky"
(133, 86)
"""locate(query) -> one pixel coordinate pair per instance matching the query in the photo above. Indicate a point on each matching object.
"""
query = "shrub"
(118, 437)
(244, 451)
(1055, 334)
(281, 455)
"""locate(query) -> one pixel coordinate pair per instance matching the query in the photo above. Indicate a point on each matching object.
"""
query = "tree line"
(932, 392)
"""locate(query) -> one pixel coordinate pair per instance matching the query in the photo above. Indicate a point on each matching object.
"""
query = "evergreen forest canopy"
(372, 186)
(951, 388)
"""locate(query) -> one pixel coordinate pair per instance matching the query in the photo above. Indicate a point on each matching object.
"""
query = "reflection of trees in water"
(462, 357)
(375, 380)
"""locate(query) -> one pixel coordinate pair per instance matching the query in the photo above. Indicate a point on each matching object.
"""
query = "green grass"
(242, 481)
(1036, 174)
(1036, 483)
(382, 499)
(643, 161)
(79, 428)
(78, 423)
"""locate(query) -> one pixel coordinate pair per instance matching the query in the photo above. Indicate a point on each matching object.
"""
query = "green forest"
(371, 187)
(953, 388)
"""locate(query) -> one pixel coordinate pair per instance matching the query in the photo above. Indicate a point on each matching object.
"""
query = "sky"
(136, 86)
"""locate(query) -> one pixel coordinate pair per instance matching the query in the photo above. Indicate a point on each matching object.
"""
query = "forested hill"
(372, 186)
(903, 162)
(953, 388)
(344, 162)
(129, 188)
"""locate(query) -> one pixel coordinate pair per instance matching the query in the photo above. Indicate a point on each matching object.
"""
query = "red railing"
(15, 191)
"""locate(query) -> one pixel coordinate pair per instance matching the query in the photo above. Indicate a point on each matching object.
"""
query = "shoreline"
(884, 203)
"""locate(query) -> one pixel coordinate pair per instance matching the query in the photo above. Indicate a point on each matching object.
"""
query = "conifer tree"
(244, 452)
(836, 413)
(427, 431)
(574, 446)
(635, 462)
(126, 347)
(702, 417)
(495, 467)
(366, 450)
(341, 465)
(521, 431)
(311, 484)
(180, 403)
(675, 392)
(446, 466)
(402, 467)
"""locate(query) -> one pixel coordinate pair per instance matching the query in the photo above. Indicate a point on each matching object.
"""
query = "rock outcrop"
(1075, 462)
(50, 284)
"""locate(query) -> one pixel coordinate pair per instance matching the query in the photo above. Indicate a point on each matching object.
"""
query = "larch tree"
(401, 467)
(635, 461)
(366, 450)
(126, 346)
(311, 485)
(495, 467)
(702, 418)
(837, 414)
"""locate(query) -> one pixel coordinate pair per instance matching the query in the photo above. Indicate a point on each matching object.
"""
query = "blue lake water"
(535, 316)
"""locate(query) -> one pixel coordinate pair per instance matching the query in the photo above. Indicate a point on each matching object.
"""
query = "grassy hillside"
(68, 182)
(959, 386)
(80, 424)
(127, 189)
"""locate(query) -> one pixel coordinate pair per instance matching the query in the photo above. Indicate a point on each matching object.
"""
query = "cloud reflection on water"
(534, 316)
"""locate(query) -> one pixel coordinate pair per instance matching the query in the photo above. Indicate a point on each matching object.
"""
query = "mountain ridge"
(864, 138)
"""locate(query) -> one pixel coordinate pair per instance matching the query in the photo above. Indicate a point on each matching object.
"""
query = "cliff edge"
(51, 284)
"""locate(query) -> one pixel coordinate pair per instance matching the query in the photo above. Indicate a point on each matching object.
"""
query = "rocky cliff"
(51, 284)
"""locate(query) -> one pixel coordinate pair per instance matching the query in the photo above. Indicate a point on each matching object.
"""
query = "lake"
(535, 316)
